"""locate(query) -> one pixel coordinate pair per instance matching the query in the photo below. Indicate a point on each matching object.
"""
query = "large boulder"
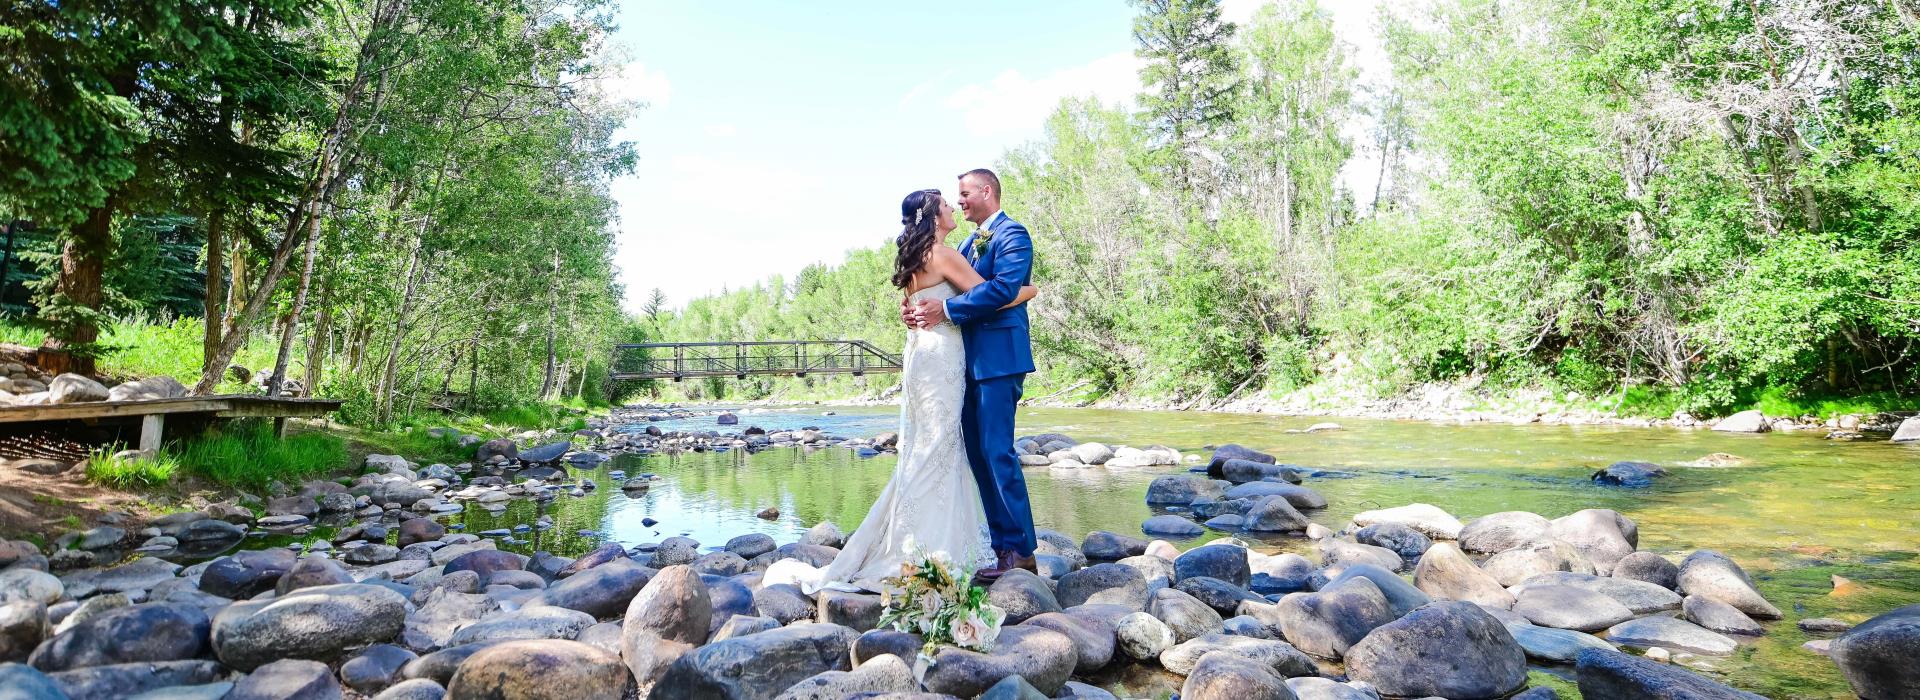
(1629, 474)
(1022, 594)
(312, 571)
(1710, 574)
(1141, 636)
(1672, 634)
(1649, 567)
(1241, 471)
(1042, 656)
(1172, 526)
(1610, 674)
(1877, 656)
(1224, 675)
(669, 617)
(1744, 422)
(602, 591)
(1101, 545)
(784, 602)
(1093, 639)
(1569, 608)
(1429, 520)
(74, 388)
(1116, 584)
(287, 679)
(149, 389)
(318, 623)
(1445, 572)
(1452, 649)
(1275, 514)
(1639, 596)
(1602, 535)
(136, 633)
(757, 666)
(445, 612)
(885, 673)
(543, 622)
(1184, 614)
(1335, 552)
(246, 574)
(1542, 556)
(1400, 594)
(23, 625)
(1230, 451)
(1719, 617)
(1909, 430)
(1279, 657)
(540, 670)
(857, 611)
(1403, 540)
(1221, 561)
(1499, 532)
(1327, 623)
(1182, 489)
(1551, 645)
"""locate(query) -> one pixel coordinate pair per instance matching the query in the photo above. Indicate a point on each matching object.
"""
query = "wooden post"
(280, 427)
(150, 427)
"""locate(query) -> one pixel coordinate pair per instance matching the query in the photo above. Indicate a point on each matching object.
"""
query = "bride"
(931, 506)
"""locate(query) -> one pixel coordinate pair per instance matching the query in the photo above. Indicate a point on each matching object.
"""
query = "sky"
(780, 134)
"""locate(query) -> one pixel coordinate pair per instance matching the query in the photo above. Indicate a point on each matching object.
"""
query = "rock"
(1278, 657)
(1670, 633)
(421, 530)
(676, 550)
(1719, 617)
(602, 591)
(1743, 422)
(784, 602)
(1709, 574)
(1232, 451)
(414, 689)
(1499, 532)
(1317, 688)
(1171, 526)
(1452, 649)
(19, 584)
(743, 625)
(1403, 540)
(856, 611)
(1009, 688)
(1877, 656)
(101, 537)
(1091, 453)
(375, 668)
(1223, 597)
(1426, 519)
(23, 682)
(498, 447)
(1240, 471)
(1551, 645)
(43, 467)
(825, 534)
(882, 674)
(720, 564)
(1639, 596)
(1022, 595)
(544, 453)
(1117, 584)
(873, 644)
(540, 670)
(750, 546)
(1569, 608)
(1101, 545)
(1629, 474)
(1514, 566)
(440, 666)
(1274, 514)
(1327, 623)
(1446, 573)
(759, 666)
(1909, 430)
(1339, 552)
(74, 388)
(128, 680)
(1220, 561)
(543, 622)
(611, 552)
(1611, 674)
(1042, 656)
(290, 679)
(1298, 496)
(671, 615)
(1093, 640)
(1225, 675)
(1402, 596)
(311, 623)
(1142, 637)
(1184, 614)
(1182, 489)
(1603, 536)
(132, 634)
(445, 612)
(88, 609)
(140, 574)
(1823, 625)
(1649, 567)
(1281, 573)
(23, 625)
(369, 554)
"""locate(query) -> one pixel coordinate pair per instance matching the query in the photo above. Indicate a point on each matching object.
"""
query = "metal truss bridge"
(798, 358)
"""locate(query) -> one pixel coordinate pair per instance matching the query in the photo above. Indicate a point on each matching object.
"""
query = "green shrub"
(246, 453)
(103, 468)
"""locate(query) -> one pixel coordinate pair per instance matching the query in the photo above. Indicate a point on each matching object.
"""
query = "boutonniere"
(980, 240)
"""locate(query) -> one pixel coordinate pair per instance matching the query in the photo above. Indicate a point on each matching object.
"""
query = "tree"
(1189, 73)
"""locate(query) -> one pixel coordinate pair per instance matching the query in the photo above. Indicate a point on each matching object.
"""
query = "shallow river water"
(1798, 511)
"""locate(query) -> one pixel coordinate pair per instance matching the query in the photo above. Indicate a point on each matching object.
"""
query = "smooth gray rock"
(1141, 636)
(1171, 526)
(132, 634)
(883, 674)
(312, 571)
(740, 626)
(757, 666)
(1401, 595)
(375, 668)
(1611, 674)
(1629, 474)
(825, 534)
(1639, 596)
(545, 622)
(1452, 649)
(1223, 597)
(29, 584)
(127, 680)
(1649, 567)
(1336, 552)
(1184, 614)
(413, 689)
(1405, 541)
(1279, 657)
(1299, 497)
(1570, 608)
(1499, 532)
(1710, 574)
(445, 612)
(1022, 594)
(245, 574)
(669, 617)
(288, 679)
(1240, 471)
(602, 591)
(1225, 675)
(1101, 545)
(783, 602)
(857, 611)
(1554, 645)
(1543, 556)
(1877, 656)
(1445, 572)
(1719, 617)
(1042, 656)
(546, 669)
(1275, 514)
(1182, 489)
(1093, 640)
(1603, 536)
(1317, 688)
(873, 644)
(1672, 634)
(1327, 623)
(751, 545)
(22, 682)
(1219, 561)
(23, 625)
(1115, 584)
(1281, 573)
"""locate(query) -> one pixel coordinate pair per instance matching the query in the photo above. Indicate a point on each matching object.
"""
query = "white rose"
(931, 602)
(975, 632)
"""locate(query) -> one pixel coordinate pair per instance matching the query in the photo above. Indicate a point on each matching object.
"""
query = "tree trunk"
(82, 263)
(318, 336)
(216, 271)
(385, 395)
(546, 383)
(279, 378)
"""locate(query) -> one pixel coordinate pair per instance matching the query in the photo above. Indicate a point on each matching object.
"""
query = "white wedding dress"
(931, 505)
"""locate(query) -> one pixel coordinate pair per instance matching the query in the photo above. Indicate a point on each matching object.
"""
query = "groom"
(998, 360)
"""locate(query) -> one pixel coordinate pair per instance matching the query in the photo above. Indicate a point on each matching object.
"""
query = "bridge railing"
(676, 361)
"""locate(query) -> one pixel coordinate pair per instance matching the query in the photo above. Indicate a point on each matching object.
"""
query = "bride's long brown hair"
(919, 217)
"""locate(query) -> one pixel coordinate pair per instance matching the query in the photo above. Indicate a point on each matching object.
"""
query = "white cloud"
(1013, 103)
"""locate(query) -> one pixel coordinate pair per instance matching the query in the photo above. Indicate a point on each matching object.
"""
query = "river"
(1798, 510)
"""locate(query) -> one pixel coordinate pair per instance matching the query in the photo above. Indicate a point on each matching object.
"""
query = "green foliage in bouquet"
(934, 598)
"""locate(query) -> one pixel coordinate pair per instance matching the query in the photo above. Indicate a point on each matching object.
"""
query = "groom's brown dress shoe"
(1000, 566)
(1015, 561)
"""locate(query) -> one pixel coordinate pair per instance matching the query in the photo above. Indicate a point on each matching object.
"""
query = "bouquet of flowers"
(935, 598)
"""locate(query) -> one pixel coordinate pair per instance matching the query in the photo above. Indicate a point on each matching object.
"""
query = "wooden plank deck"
(152, 413)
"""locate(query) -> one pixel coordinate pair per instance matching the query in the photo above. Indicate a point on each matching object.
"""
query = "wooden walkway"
(797, 358)
(152, 414)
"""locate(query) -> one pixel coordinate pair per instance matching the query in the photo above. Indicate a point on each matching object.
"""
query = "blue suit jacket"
(997, 340)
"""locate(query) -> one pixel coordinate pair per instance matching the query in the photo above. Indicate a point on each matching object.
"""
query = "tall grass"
(139, 346)
(246, 453)
(103, 468)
